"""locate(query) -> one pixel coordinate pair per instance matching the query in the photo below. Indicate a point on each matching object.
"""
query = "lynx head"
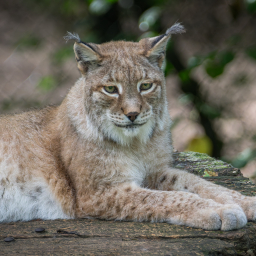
(123, 87)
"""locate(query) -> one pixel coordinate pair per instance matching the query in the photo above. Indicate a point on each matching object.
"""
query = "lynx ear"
(86, 54)
(155, 46)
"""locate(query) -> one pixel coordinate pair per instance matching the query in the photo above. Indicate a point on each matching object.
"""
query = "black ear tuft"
(73, 36)
(177, 28)
(87, 55)
(157, 40)
(156, 46)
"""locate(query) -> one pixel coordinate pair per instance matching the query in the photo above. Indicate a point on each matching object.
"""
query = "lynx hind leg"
(27, 201)
(226, 196)
(178, 180)
(130, 202)
(247, 203)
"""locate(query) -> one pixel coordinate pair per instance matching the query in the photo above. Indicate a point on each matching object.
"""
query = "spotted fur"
(88, 158)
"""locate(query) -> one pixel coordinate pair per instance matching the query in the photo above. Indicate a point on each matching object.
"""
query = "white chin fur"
(131, 132)
(126, 136)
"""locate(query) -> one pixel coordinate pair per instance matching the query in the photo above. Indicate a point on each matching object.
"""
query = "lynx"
(105, 152)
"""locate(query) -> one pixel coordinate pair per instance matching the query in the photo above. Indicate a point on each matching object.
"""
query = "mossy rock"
(203, 165)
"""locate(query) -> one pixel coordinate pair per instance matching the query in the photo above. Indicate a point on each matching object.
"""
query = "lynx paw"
(232, 217)
(226, 217)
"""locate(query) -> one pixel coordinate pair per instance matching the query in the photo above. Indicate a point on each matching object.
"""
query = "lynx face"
(130, 112)
(124, 86)
(125, 103)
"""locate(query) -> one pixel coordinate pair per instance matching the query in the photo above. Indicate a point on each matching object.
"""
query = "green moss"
(199, 163)
(195, 156)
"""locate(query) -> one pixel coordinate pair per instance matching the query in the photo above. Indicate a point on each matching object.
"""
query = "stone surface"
(97, 237)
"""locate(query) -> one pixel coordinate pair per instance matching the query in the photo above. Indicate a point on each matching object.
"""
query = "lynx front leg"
(178, 180)
(130, 202)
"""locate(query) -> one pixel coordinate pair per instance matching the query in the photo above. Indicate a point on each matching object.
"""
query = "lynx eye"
(110, 89)
(146, 86)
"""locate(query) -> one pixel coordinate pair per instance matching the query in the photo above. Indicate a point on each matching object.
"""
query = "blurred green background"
(211, 70)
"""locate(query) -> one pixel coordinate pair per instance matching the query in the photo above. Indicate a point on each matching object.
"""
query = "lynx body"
(105, 152)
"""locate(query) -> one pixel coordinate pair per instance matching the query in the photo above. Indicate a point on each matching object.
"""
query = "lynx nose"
(132, 115)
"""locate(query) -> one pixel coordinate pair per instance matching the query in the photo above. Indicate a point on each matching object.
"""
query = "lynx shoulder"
(105, 152)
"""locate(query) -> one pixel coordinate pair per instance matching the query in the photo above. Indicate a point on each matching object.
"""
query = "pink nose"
(132, 115)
